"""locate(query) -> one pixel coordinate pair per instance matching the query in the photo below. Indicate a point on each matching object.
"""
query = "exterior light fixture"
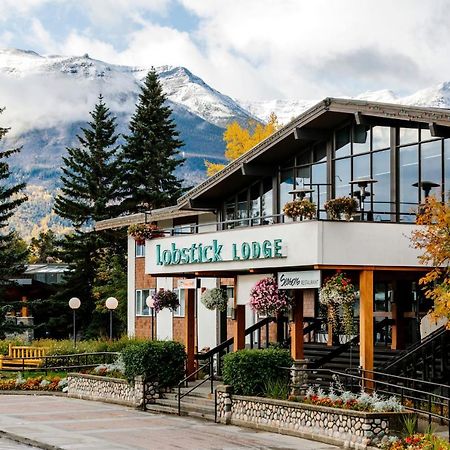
(301, 192)
(426, 186)
(363, 184)
(151, 304)
(74, 304)
(111, 303)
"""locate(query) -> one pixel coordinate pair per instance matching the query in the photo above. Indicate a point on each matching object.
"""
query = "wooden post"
(190, 330)
(239, 328)
(24, 309)
(366, 341)
(297, 350)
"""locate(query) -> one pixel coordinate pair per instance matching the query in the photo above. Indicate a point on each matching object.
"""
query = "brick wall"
(142, 280)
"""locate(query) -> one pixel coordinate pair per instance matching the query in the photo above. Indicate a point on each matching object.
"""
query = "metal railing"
(62, 362)
(425, 398)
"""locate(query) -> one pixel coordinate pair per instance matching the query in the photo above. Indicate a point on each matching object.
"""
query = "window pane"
(181, 297)
(286, 185)
(409, 174)
(381, 137)
(145, 309)
(140, 249)
(382, 189)
(361, 139)
(230, 211)
(242, 208)
(343, 142)
(425, 134)
(431, 165)
(361, 167)
(342, 177)
(302, 177)
(266, 201)
(304, 157)
(447, 168)
(320, 152)
(255, 202)
(319, 176)
(409, 135)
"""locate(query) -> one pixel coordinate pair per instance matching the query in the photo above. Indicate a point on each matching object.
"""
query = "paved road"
(67, 423)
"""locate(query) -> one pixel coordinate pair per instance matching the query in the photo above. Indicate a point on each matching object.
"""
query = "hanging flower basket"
(303, 209)
(339, 295)
(142, 231)
(215, 298)
(165, 299)
(341, 206)
(267, 299)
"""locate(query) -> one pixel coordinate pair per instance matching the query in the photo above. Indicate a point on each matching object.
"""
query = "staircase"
(344, 361)
(427, 360)
(199, 403)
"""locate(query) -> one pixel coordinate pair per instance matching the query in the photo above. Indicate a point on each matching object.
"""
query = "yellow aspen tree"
(433, 238)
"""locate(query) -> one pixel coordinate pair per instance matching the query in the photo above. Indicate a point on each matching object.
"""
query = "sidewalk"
(65, 423)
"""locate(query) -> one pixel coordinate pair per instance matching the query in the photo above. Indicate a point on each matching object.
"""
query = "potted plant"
(338, 294)
(300, 208)
(165, 299)
(215, 298)
(267, 299)
(341, 205)
(142, 231)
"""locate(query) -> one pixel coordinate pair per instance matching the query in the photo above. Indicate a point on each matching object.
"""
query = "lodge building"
(230, 231)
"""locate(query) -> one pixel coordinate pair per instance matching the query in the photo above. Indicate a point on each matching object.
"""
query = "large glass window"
(242, 209)
(267, 201)
(447, 169)
(381, 138)
(361, 139)
(255, 203)
(431, 164)
(342, 177)
(409, 174)
(343, 146)
(286, 186)
(381, 171)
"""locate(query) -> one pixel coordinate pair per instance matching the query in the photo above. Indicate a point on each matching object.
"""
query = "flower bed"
(418, 441)
(40, 383)
(322, 423)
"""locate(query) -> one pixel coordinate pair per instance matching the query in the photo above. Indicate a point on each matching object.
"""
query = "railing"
(184, 382)
(429, 354)
(65, 362)
(426, 398)
(344, 347)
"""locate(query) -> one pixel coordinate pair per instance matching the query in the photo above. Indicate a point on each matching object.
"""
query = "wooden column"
(24, 308)
(297, 351)
(190, 330)
(366, 342)
(239, 328)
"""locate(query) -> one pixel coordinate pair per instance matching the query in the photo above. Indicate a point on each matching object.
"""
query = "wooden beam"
(239, 328)
(311, 134)
(189, 323)
(297, 347)
(366, 341)
(359, 118)
(439, 130)
(256, 170)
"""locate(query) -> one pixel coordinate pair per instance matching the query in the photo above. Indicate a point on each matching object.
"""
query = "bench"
(22, 357)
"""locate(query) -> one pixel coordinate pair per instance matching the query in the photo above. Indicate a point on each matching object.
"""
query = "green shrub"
(249, 371)
(161, 361)
(277, 388)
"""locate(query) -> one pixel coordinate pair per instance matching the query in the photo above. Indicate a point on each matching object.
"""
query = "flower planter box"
(343, 427)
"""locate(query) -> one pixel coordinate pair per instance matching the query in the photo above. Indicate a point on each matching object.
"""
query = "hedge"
(248, 371)
(161, 361)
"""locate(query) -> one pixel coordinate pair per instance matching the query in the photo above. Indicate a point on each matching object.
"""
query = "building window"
(179, 312)
(140, 249)
(230, 305)
(141, 306)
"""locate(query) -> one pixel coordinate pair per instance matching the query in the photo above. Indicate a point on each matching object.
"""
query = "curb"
(33, 392)
(24, 440)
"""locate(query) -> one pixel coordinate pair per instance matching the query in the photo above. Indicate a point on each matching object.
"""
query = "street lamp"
(74, 304)
(111, 304)
(151, 304)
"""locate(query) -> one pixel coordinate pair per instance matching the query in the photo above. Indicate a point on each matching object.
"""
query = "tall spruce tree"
(90, 191)
(151, 152)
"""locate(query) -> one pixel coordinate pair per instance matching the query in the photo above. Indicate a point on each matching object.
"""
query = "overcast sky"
(250, 49)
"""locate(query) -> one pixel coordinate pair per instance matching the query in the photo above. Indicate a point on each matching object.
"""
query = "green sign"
(199, 253)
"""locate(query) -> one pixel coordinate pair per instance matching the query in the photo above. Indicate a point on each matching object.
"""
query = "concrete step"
(185, 406)
(165, 406)
(200, 401)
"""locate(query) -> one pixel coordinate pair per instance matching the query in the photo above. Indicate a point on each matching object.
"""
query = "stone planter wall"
(105, 389)
(354, 429)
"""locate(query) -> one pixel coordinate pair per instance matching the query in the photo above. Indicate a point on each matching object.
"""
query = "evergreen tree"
(151, 153)
(11, 257)
(90, 193)
(90, 183)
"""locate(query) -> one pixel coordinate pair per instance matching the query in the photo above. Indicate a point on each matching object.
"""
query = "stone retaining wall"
(354, 429)
(105, 389)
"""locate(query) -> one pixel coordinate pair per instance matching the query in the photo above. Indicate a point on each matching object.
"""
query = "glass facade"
(396, 158)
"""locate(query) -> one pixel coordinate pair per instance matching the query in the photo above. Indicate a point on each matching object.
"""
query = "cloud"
(261, 49)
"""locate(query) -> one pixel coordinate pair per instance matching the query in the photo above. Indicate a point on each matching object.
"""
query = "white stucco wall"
(206, 319)
(164, 325)
(131, 277)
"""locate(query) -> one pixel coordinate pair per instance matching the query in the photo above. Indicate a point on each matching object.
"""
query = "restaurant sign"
(217, 251)
(305, 279)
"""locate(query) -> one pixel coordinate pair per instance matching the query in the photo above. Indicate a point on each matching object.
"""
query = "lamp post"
(111, 303)
(363, 183)
(74, 304)
(151, 303)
